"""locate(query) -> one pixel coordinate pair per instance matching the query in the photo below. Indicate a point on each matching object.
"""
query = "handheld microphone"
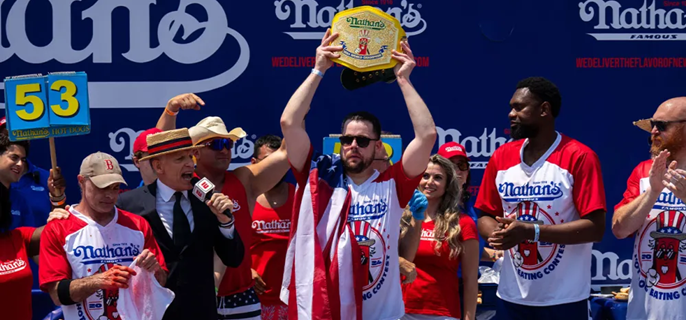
(203, 189)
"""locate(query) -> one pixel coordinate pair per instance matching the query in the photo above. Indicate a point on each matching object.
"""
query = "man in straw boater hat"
(243, 185)
(85, 258)
(652, 211)
(187, 230)
(549, 177)
(324, 275)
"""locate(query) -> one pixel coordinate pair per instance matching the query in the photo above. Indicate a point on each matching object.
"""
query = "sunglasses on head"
(362, 141)
(662, 125)
(219, 144)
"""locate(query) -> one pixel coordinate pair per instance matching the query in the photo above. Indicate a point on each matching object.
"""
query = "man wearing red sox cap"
(140, 150)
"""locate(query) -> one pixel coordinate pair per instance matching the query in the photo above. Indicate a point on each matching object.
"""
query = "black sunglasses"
(462, 165)
(362, 141)
(662, 125)
(219, 144)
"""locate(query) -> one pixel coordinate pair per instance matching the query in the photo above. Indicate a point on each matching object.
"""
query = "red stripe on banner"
(319, 190)
(175, 145)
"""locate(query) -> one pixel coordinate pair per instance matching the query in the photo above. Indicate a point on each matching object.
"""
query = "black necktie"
(182, 229)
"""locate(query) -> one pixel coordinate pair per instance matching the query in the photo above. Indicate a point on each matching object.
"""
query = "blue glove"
(418, 205)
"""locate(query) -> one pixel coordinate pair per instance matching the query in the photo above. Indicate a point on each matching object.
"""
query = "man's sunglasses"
(662, 125)
(362, 141)
(219, 144)
(462, 165)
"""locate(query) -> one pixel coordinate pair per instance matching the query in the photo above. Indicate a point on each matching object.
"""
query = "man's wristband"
(63, 292)
(317, 72)
(537, 232)
(226, 225)
(169, 112)
(58, 203)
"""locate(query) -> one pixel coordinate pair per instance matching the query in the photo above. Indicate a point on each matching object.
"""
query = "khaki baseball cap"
(101, 168)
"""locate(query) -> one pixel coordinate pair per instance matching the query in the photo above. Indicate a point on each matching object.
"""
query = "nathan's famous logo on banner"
(479, 148)
(171, 35)
(654, 20)
(309, 19)
(121, 144)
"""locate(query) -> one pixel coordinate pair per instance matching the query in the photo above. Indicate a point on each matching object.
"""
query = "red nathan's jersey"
(436, 288)
(658, 262)
(16, 278)
(270, 242)
(238, 279)
(78, 247)
(563, 185)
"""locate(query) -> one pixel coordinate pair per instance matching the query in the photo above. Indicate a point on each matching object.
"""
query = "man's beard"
(523, 131)
(673, 144)
(359, 167)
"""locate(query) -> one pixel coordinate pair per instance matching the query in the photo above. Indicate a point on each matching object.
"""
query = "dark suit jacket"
(191, 269)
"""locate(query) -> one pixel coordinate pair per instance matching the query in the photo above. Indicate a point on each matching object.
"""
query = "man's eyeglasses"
(219, 144)
(662, 125)
(362, 141)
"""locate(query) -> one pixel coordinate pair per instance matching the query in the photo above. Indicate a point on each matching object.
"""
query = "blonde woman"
(448, 239)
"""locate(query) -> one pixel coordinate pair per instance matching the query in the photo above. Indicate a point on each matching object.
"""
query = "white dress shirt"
(165, 200)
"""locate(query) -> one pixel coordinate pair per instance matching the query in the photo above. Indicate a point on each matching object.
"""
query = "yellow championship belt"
(368, 36)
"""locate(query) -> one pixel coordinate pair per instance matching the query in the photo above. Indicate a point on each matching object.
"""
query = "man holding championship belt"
(357, 205)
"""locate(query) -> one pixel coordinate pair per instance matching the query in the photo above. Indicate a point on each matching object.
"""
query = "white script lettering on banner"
(129, 94)
(479, 148)
(319, 18)
(121, 144)
(616, 269)
(609, 15)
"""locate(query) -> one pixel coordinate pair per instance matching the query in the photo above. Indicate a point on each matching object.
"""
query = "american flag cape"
(323, 262)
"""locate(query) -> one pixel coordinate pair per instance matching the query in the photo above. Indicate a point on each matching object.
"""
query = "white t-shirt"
(658, 278)
(78, 247)
(562, 186)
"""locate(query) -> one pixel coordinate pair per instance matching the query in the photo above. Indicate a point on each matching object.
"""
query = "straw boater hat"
(213, 127)
(167, 142)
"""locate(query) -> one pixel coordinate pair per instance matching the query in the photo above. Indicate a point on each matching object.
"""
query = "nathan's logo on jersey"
(12, 266)
(667, 200)
(274, 226)
(118, 252)
(537, 191)
(375, 262)
(660, 261)
(427, 235)
(534, 260)
(368, 209)
(309, 20)
(609, 15)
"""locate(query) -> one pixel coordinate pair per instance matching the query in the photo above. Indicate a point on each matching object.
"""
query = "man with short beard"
(353, 252)
(652, 210)
(543, 201)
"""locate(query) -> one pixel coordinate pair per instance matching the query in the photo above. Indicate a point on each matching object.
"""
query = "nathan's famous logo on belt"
(309, 18)
(479, 147)
(368, 36)
(533, 259)
(121, 144)
(654, 20)
(167, 37)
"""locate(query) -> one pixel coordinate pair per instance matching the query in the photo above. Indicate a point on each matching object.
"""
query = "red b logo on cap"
(109, 165)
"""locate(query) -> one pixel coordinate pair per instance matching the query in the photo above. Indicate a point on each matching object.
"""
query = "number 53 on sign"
(49, 106)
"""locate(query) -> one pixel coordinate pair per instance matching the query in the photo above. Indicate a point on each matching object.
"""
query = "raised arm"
(419, 149)
(628, 218)
(264, 175)
(293, 115)
(184, 101)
